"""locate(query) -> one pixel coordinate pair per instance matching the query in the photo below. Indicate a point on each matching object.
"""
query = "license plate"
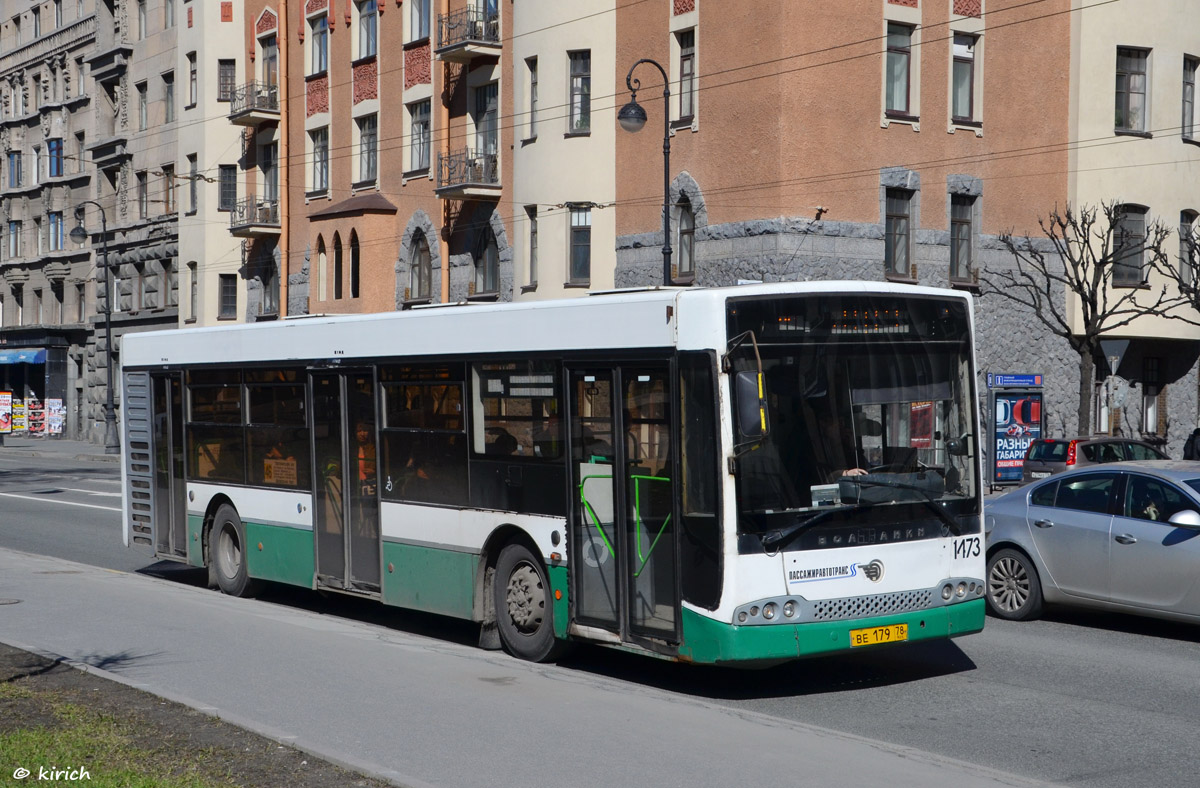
(1039, 474)
(874, 636)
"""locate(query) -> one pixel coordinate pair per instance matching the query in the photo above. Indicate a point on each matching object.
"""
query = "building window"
(141, 19)
(368, 26)
(14, 169)
(227, 302)
(963, 104)
(143, 106)
(1151, 383)
(368, 148)
(532, 215)
(419, 122)
(420, 269)
(320, 159)
(268, 158)
(1131, 89)
(354, 264)
(685, 247)
(337, 267)
(226, 187)
(169, 96)
(41, 238)
(57, 14)
(193, 80)
(193, 183)
(487, 135)
(168, 14)
(36, 169)
(895, 253)
(322, 269)
(1189, 97)
(899, 56)
(193, 291)
(58, 238)
(80, 151)
(1128, 244)
(1188, 246)
(38, 316)
(143, 196)
(14, 240)
(170, 205)
(54, 155)
(270, 60)
(80, 303)
(37, 22)
(226, 79)
(487, 264)
(419, 19)
(687, 73)
(531, 65)
(320, 44)
(581, 245)
(961, 210)
(18, 100)
(581, 91)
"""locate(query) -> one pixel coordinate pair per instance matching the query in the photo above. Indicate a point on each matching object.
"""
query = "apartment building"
(46, 281)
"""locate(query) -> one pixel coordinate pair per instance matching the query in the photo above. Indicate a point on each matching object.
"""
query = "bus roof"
(689, 318)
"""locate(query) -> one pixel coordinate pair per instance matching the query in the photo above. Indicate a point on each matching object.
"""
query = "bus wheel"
(524, 610)
(1013, 589)
(229, 553)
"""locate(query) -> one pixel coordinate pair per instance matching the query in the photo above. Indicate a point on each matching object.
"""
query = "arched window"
(354, 264)
(337, 266)
(487, 264)
(685, 261)
(322, 270)
(420, 268)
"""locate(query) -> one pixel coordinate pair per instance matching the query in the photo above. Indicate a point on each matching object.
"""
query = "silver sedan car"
(1124, 536)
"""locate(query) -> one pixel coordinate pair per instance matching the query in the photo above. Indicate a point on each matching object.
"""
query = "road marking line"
(92, 492)
(64, 503)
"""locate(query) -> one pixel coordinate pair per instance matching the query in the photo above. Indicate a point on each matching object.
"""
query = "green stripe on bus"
(195, 539)
(558, 582)
(429, 579)
(281, 554)
(706, 640)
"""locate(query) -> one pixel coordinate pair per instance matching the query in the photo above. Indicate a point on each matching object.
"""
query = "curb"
(112, 459)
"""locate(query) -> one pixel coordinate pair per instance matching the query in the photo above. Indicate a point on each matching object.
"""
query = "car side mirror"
(1185, 518)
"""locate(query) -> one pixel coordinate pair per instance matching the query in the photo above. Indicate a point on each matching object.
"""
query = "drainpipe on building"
(444, 128)
(285, 262)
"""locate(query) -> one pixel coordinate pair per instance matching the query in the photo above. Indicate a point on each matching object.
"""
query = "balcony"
(254, 103)
(467, 34)
(468, 174)
(254, 217)
(110, 64)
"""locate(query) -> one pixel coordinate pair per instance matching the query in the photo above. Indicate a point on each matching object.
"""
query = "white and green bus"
(733, 475)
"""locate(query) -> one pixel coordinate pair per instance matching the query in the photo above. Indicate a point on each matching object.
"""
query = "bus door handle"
(1043, 523)
(1125, 539)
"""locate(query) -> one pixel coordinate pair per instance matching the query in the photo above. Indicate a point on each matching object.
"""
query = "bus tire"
(1014, 591)
(524, 608)
(229, 554)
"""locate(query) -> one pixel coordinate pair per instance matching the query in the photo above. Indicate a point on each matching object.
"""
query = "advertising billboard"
(1016, 422)
(5, 412)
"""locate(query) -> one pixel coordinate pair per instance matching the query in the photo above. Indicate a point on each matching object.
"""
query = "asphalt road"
(1076, 698)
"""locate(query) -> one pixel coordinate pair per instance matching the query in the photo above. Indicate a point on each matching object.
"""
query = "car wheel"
(1013, 588)
(524, 608)
(228, 546)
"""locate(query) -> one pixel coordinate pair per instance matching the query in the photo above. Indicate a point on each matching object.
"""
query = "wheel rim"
(1009, 584)
(229, 553)
(525, 598)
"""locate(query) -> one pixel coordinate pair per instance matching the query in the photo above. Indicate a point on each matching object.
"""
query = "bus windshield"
(869, 406)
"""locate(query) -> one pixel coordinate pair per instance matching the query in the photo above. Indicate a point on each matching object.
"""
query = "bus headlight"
(789, 608)
(961, 590)
(769, 611)
(742, 617)
(947, 591)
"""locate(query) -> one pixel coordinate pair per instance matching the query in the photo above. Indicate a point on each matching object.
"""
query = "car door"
(1072, 536)
(1154, 564)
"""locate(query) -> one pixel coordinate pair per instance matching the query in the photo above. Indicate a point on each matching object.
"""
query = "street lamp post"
(112, 444)
(632, 117)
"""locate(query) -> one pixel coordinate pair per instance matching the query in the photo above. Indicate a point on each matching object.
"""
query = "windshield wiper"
(926, 499)
(776, 539)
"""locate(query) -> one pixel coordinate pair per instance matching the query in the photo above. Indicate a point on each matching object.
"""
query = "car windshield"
(1048, 451)
(858, 420)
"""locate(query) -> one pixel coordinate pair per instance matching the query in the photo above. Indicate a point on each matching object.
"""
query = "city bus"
(741, 475)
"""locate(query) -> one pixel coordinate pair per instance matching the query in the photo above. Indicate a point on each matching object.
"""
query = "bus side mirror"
(957, 447)
(751, 405)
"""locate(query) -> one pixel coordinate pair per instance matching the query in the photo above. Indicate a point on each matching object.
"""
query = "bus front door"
(345, 497)
(170, 489)
(623, 547)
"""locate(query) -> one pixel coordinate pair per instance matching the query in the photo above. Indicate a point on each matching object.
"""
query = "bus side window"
(423, 436)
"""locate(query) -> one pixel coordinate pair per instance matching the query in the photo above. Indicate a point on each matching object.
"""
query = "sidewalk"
(55, 447)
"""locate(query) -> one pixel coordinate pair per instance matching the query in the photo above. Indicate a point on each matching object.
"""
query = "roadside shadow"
(176, 572)
(1125, 623)
(882, 667)
(17, 665)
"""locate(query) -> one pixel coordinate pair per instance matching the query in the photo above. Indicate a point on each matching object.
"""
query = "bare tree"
(1181, 270)
(1086, 279)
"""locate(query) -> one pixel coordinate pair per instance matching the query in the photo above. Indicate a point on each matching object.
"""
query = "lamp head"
(79, 234)
(632, 117)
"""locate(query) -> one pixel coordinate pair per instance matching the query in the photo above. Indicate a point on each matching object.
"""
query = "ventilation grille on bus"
(139, 468)
(874, 605)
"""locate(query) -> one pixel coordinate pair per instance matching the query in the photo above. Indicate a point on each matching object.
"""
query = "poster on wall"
(920, 425)
(19, 423)
(35, 416)
(5, 412)
(55, 416)
(1017, 422)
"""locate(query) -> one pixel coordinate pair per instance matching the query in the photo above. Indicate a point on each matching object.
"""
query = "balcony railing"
(254, 216)
(255, 101)
(466, 33)
(468, 169)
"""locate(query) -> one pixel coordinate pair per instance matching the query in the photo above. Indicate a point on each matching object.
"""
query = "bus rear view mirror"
(751, 405)
(957, 447)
